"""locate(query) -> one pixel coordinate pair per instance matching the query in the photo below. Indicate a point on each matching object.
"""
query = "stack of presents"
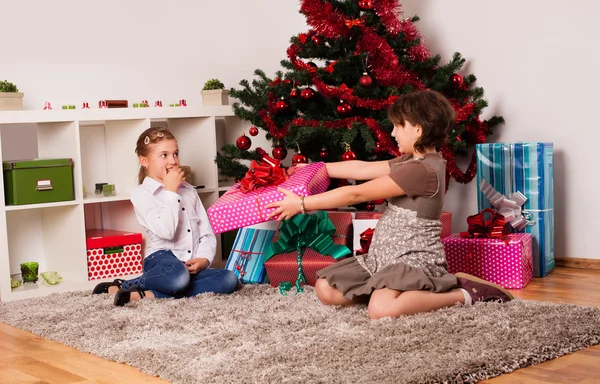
(508, 241)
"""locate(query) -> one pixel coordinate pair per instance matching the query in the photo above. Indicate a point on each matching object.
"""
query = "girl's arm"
(358, 170)
(159, 217)
(381, 188)
(208, 241)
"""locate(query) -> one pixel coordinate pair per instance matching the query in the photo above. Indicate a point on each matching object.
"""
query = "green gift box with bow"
(306, 244)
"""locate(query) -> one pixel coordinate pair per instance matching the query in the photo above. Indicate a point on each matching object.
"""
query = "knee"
(230, 281)
(180, 278)
(325, 292)
(379, 308)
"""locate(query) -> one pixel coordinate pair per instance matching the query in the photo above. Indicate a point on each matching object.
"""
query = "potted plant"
(10, 98)
(214, 93)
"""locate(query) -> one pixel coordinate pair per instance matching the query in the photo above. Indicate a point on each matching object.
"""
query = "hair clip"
(147, 140)
(160, 134)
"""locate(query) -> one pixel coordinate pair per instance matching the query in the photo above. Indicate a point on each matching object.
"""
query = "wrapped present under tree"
(518, 180)
(305, 244)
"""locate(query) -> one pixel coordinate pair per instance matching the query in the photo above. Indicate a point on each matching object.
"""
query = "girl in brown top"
(405, 271)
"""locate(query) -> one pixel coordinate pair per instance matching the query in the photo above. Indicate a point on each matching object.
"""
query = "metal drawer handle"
(44, 185)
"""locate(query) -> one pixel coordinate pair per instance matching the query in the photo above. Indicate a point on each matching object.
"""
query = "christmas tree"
(340, 77)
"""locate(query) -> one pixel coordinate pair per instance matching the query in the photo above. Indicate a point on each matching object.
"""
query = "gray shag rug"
(257, 335)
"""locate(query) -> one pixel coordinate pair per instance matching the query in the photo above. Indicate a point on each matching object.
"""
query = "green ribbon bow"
(313, 231)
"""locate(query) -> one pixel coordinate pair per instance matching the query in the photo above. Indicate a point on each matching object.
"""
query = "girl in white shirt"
(180, 244)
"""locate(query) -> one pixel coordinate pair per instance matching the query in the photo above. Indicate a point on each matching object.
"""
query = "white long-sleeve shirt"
(174, 221)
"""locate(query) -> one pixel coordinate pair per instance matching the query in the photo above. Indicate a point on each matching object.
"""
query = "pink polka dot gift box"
(238, 209)
(113, 253)
(507, 262)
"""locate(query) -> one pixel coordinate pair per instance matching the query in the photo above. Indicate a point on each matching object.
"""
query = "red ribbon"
(266, 173)
(365, 241)
(493, 228)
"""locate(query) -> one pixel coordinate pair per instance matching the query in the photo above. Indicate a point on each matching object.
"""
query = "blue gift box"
(246, 254)
(526, 168)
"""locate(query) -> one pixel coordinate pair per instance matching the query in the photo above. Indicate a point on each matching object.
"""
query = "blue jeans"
(167, 276)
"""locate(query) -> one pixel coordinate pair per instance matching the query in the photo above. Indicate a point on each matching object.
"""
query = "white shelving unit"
(101, 143)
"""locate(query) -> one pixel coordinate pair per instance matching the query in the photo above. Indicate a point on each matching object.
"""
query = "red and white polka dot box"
(113, 253)
(508, 263)
(238, 209)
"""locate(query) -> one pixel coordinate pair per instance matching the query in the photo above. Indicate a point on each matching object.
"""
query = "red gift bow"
(365, 241)
(266, 173)
(493, 228)
(353, 23)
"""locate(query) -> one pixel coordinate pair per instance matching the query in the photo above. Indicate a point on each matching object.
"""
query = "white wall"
(534, 59)
(538, 63)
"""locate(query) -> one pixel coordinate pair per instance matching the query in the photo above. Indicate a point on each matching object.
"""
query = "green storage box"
(38, 181)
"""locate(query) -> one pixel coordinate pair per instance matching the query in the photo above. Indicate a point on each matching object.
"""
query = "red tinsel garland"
(389, 12)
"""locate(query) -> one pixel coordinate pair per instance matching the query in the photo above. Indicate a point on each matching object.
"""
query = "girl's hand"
(286, 208)
(196, 265)
(295, 168)
(172, 179)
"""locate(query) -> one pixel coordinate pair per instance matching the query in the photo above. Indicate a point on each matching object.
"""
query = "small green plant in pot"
(214, 93)
(10, 97)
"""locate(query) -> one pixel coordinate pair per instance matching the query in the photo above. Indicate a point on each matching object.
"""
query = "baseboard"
(572, 262)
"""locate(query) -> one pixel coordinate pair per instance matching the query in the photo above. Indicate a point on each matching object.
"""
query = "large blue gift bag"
(518, 179)
(246, 255)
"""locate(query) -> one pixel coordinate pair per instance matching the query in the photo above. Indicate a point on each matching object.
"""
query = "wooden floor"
(25, 358)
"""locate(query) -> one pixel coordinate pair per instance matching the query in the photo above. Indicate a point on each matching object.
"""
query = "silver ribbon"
(509, 207)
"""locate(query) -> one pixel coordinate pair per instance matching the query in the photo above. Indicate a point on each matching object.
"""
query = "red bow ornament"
(365, 241)
(350, 23)
(492, 228)
(266, 173)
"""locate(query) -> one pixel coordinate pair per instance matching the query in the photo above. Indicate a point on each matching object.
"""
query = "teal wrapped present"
(246, 254)
(518, 180)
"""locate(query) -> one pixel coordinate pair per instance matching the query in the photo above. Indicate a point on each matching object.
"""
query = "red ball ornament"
(279, 152)
(456, 79)
(365, 80)
(324, 153)
(348, 154)
(316, 39)
(344, 109)
(370, 206)
(253, 131)
(311, 64)
(281, 105)
(365, 4)
(379, 201)
(293, 93)
(299, 159)
(307, 93)
(243, 142)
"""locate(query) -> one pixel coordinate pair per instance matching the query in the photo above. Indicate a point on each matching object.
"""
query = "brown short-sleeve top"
(423, 181)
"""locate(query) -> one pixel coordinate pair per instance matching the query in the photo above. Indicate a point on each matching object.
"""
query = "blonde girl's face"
(406, 136)
(164, 155)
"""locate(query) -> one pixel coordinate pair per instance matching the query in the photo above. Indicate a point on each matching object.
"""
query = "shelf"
(41, 288)
(104, 199)
(94, 116)
(41, 206)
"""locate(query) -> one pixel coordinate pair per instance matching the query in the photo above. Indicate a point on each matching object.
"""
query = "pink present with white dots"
(507, 262)
(113, 253)
(237, 209)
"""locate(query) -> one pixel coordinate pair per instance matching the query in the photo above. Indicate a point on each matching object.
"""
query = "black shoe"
(103, 287)
(123, 296)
